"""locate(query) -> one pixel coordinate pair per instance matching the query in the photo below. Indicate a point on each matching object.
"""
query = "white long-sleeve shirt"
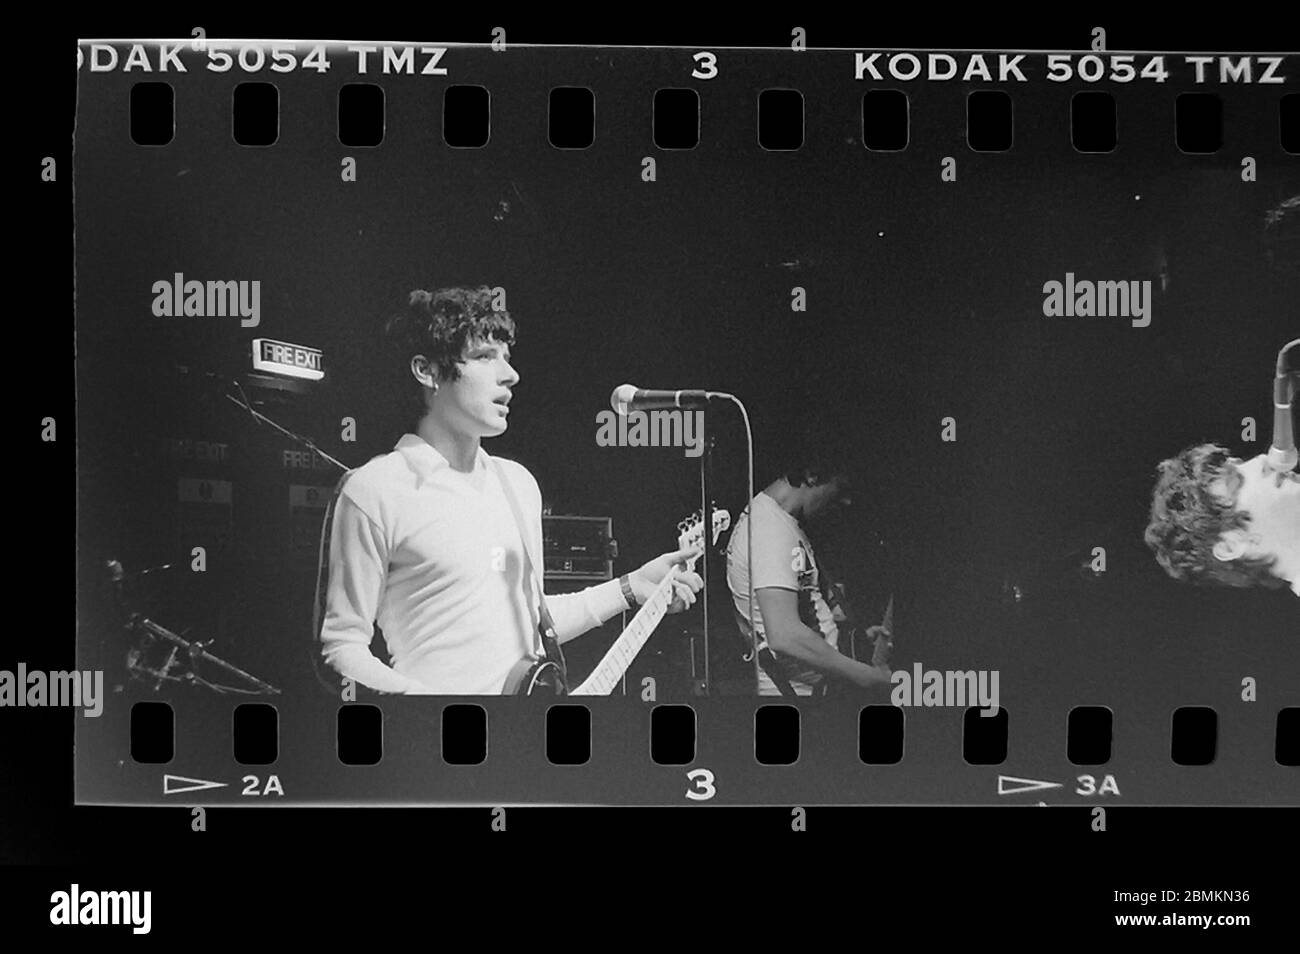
(433, 555)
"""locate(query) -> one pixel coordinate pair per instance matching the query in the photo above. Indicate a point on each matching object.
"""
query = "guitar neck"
(610, 669)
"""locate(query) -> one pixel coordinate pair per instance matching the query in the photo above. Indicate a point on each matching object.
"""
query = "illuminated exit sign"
(290, 360)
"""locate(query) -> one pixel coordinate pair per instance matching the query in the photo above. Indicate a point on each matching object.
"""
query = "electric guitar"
(837, 598)
(534, 676)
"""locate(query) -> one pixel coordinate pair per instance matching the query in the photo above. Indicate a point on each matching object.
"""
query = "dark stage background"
(924, 302)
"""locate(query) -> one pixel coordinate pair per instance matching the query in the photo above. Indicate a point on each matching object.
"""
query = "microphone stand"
(623, 401)
(183, 655)
(703, 686)
(706, 508)
(195, 651)
(227, 382)
(261, 418)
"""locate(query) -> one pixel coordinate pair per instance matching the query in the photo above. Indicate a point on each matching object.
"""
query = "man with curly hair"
(424, 539)
(1219, 520)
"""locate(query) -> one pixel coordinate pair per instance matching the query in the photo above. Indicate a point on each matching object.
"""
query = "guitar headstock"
(690, 532)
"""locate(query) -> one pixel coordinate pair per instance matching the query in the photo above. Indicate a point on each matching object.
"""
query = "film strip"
(994, 289)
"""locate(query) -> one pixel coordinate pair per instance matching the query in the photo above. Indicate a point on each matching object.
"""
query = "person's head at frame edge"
(1219, 520)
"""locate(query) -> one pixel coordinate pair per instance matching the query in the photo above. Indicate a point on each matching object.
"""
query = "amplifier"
(578, 548)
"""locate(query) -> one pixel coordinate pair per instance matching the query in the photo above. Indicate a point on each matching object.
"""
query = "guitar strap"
(550, 640)
(772, 666)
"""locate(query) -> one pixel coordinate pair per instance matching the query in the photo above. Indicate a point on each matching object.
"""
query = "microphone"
(1282, 455)
(628, 397)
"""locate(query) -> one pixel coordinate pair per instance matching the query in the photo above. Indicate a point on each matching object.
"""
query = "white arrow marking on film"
(1022, 785)
(195, 784)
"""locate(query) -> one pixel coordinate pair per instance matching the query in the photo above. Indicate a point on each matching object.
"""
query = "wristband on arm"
(625, 585)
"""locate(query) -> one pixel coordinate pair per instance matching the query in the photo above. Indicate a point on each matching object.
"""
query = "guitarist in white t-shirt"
(797, 627)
